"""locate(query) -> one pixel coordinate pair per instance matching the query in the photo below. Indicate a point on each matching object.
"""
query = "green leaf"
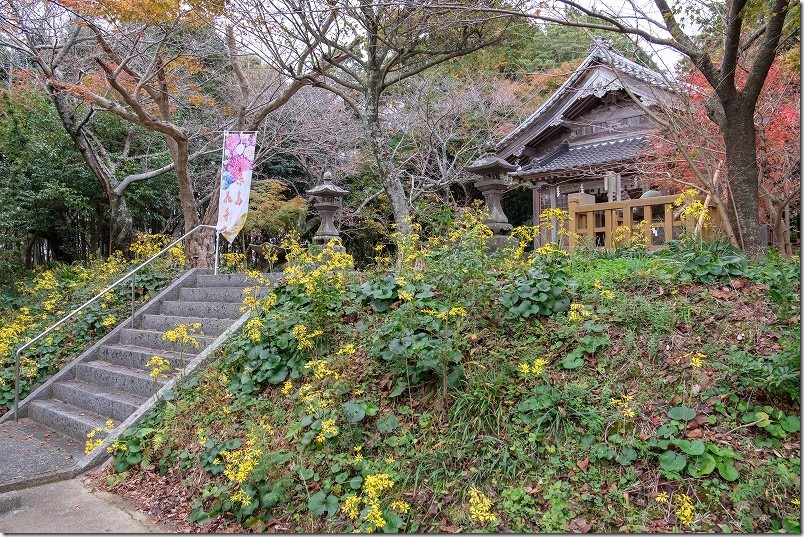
(761, 441)
(353, 412)
(763, 419)
(199, 515)
(393, 523)
(306, 473)
(672, 462)
(398, 389)
(356, 482)
(727, 471)
(696, 447)
(573, 360)
(681, 413)
(320, 503)
(388, 423)
(701, 465)
(627, 456)
(791, 424)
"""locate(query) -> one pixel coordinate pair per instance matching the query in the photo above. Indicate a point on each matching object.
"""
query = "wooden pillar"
(536, 191)
(573, 201)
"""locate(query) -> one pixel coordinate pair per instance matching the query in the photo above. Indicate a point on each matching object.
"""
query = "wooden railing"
(608, 225)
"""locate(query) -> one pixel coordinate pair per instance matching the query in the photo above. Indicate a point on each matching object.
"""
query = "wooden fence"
(607, 225)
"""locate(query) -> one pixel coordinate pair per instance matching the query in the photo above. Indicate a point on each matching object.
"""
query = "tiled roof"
(602, 53)
(568, 157)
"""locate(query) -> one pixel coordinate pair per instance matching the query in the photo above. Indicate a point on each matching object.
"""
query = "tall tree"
(733, 44)
(691, 149)
(444, 121)
(161, 67)
(45, 37)
(379, 45)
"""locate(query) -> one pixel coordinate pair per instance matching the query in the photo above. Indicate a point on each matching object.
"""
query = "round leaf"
(791, 424)
(701, 465)
(681, 413)
(672, 461)
(696, 447)
(353, 412)
(317, 503)
(572, 361)
(727, 471)
(387, 424)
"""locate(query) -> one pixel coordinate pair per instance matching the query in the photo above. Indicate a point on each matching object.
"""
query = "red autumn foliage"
(777, 120)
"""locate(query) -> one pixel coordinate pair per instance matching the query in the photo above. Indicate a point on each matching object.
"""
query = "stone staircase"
(110, 381)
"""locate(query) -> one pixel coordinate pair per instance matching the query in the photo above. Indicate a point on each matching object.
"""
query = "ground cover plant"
(453, 389)
(52, 291)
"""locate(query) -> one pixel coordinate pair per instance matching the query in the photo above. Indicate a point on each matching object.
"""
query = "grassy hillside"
(48, 293)
(461, 391)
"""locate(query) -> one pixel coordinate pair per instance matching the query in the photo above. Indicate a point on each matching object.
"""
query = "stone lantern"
(328, 199)
(492, 186)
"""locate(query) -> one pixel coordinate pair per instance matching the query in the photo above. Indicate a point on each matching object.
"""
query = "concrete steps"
(116, 404)
(227, 310)
(65, 418)
(112, 380)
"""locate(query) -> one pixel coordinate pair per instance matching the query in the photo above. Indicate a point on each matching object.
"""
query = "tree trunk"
(121, 223)
(739, 136)
(198, 244)
(385, 166)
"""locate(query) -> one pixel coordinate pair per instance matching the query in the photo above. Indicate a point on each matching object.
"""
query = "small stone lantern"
(327, 198)
(492, 186)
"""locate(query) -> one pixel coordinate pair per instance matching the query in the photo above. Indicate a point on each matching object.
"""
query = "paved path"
(72, 506)
(31, 454)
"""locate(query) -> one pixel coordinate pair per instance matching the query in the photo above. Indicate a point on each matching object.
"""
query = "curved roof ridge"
(603, 52)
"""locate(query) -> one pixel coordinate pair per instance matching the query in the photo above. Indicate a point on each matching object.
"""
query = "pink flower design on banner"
(236, 165)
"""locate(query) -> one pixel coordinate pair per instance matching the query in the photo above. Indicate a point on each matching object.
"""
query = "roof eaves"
(597, 53)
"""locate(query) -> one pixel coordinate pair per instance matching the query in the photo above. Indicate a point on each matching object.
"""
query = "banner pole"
(217, 249)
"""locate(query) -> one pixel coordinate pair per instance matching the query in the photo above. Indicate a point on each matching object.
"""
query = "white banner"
(236, 169)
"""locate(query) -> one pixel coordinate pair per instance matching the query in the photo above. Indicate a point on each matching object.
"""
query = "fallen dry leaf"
(583, 464)
(579, 525)
(722, 294)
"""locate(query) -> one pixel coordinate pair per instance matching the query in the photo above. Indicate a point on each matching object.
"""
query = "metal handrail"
(133, 275)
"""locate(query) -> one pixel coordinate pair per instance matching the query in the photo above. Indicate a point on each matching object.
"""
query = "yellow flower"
(374, 485)
(346, 350)
(402, 507)
(374, 516)
(328, 430)
(685, 509)
(304, 338)
(241, 497)
(538, 365)
(480, 507)
(287, 387)
(795, 501)
(240, 463)
(157, 366)
(253, 329)
(405, 295)
(577, 312)
(320, 369)
(183, 334)
(351, 507)
(661, 497)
